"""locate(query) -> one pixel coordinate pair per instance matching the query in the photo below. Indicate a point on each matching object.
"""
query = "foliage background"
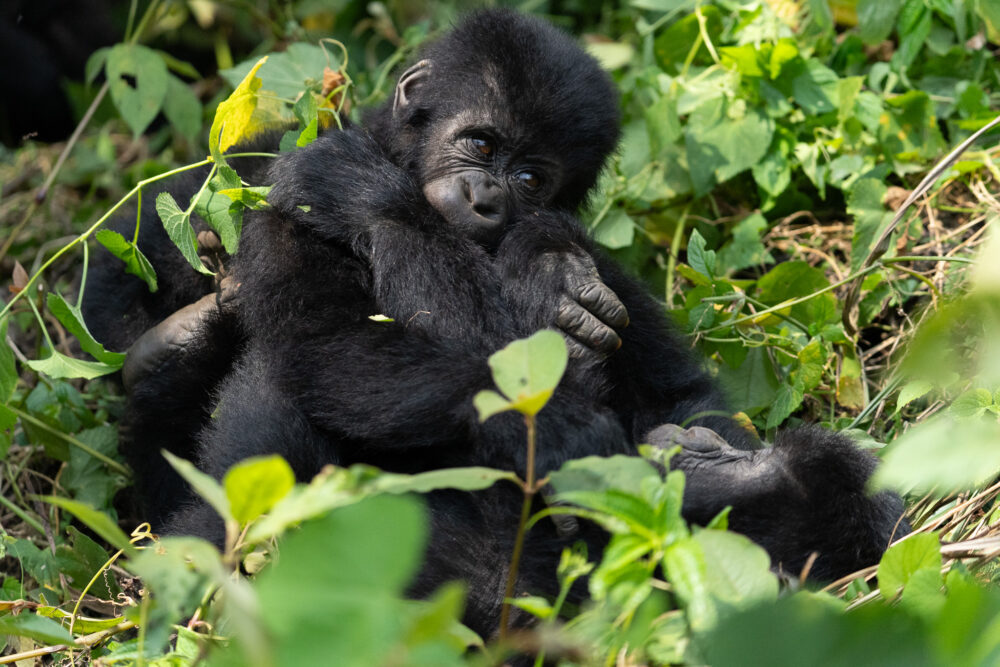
(765, 147)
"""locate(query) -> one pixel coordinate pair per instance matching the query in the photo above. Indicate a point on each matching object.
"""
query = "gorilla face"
(478, 168)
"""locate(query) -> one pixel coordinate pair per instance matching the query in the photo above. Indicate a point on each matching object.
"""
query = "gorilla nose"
(484, 196)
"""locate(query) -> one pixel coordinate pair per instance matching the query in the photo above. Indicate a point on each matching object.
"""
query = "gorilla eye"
(529, 179)
(483, 145)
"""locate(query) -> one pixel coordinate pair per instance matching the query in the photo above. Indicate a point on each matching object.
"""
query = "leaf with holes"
(138, 83)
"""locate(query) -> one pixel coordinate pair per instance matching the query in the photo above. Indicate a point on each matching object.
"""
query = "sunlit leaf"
(254, 485)
(902, 560)
(71, 318)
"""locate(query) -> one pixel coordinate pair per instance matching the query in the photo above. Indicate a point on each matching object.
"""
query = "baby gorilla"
(450, 212)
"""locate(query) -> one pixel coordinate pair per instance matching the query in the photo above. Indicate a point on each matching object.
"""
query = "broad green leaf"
(527, 371)
(902, 560)
(596, 473)
(182, 108)
(254, 486)
(911, 391)
(753, 385)
(88, 478)
(95, 63)
(876, 19)
(738, 572)
(8, 369)
(941, 454)
(138, 84)
(58, 365)
(204, 485)
(700, 259)
(537, 606)
(177, 223)
(724, 139)
(352, 565)
(628, 508)
(466, 479)
(218, 209)
(787, 400)
(99, 522)
(972, 404)
(71, 318)
(488, 403)
(812, 85)
(41, 629)
(616, 229)
(745, 249)
(234, 118)
(135, 262)
(288, 73)
(791, 280)
(914, 27)
(687, 571)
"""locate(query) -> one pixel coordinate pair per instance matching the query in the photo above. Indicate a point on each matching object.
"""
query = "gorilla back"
(451, 212)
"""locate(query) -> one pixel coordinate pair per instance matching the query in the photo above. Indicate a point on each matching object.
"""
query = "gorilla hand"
(589, 311)
(176, 334)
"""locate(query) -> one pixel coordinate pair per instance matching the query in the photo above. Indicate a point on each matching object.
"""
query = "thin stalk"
(111, 463)
(22, 515)
(529, 493)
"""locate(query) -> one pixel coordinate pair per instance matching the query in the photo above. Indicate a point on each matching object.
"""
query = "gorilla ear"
(408, 84)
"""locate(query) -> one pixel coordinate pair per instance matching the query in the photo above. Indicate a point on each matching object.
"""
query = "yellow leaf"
(234, 117)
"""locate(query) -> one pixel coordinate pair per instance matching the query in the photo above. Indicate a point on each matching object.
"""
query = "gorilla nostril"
(487, 210)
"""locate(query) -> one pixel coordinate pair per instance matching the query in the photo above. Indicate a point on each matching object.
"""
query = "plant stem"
(529, 493)
(110, 462)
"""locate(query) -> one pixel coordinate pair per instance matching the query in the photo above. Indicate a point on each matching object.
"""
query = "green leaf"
(488, 403)
(138, 84)
(596, 473)
(8, 369)
(88, 478)
(182, 108)
(527, 371)
(218, 210)
(537, 606)
(204, 485)
(876, 19)
(351, 565)
(723, 140)
(95, 63)
(972, 404)
(177, 223)
(254, 197)
(38, 628)
(288, 73)
(788, 400)
(738, 572)
(687, 571)
(465, 479)
(58, 365)
(99, 522)
(745, 249)
(673, 45)
(901, 561)
(914, 28)
(616, 229)
(254, 486)
(941, 454)
(135, 262)
(700, 259)
(911, 391)
(71, 318)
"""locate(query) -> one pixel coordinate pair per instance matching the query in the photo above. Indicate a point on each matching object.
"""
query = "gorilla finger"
(696, 438)
(582, 325)
(208, 240)
(601, 300)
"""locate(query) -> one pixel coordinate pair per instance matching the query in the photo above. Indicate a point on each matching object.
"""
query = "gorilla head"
(503, 114)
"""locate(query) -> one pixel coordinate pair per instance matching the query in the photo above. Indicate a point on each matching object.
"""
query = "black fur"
(349, 235)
